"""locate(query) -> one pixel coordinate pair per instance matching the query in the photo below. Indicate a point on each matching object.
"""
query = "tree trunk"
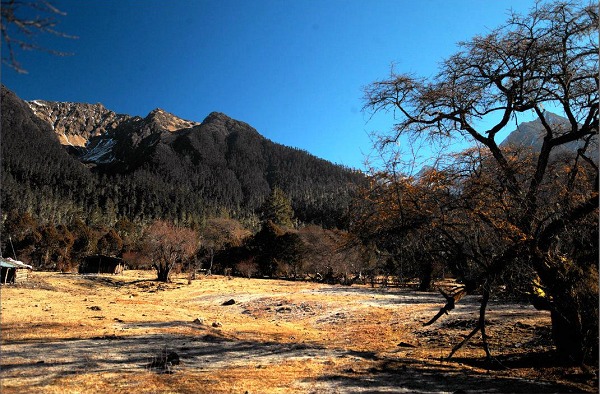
(46, 258)
(575, 330)
(573, 305)
(163, 272)
(566, 336)
(426, 277)
(212, 256)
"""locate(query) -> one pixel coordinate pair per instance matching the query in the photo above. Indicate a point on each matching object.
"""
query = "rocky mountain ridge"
(76, 124)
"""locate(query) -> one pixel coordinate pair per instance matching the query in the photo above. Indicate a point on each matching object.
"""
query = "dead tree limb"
(480, 327)
(451, 300)
(455, 348)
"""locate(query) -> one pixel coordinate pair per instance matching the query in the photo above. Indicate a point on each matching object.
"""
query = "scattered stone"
(230, 302)
(217, 324)
(199, 321)
(94, 308)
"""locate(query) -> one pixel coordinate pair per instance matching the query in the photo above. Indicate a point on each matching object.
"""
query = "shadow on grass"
(37, 363)
(93, 280)
(410, 376)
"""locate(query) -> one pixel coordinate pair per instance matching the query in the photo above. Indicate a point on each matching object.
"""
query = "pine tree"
(278, 209)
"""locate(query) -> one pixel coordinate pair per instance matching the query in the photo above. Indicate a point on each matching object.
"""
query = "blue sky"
(293, 69)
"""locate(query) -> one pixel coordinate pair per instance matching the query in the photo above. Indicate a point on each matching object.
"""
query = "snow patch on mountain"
(101, 152)
(38, 103)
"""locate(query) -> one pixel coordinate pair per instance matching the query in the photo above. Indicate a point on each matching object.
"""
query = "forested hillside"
(38, 175)
(142, 169)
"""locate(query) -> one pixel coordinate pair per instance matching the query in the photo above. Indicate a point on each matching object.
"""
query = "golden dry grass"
(67, 333)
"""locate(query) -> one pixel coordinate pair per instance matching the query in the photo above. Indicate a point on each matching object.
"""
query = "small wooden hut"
(100, 264)
(13, 271)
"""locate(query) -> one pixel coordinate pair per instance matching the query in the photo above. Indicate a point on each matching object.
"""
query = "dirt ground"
(68, 333)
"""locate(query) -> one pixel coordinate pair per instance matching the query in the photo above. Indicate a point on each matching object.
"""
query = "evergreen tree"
(277, 208)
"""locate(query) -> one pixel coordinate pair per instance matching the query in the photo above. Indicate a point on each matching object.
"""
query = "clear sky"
(293, 69)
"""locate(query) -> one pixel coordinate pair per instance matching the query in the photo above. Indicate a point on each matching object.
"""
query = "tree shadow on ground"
(35, 363)
(93, 280)
(393, 296)
(539, 359)
(419, 376)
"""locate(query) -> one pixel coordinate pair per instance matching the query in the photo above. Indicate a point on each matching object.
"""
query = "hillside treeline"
(222, 246)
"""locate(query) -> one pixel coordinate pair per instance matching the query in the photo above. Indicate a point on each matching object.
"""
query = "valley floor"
(68, 333)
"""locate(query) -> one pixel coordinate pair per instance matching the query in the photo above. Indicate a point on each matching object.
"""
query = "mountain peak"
(156, 111)
(531, 134)
(225, 124)
(216, 117)
(167, 121)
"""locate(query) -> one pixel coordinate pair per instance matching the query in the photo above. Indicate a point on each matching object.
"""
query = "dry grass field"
(68, 333)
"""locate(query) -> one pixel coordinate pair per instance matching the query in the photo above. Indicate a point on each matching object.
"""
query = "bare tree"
(545, 59)
(22, 21)
(219, 233)
(168, 246)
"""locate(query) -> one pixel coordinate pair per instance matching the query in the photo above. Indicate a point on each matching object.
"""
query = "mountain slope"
(162, 166)
(37, 174)
(531, 134)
